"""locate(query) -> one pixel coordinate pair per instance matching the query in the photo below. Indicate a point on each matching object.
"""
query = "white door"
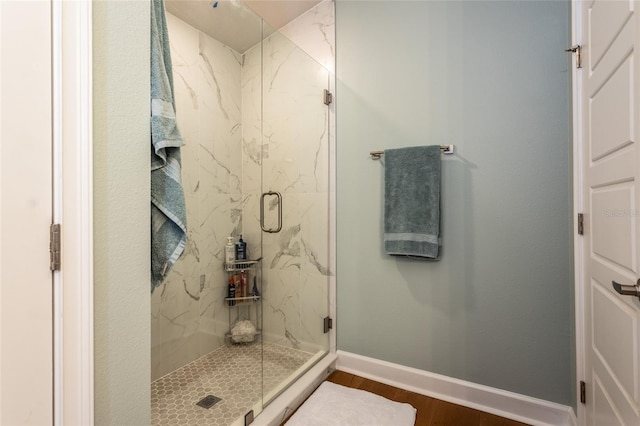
(25, 213)
(611, 181)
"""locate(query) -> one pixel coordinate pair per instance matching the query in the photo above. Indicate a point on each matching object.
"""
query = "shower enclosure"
(252, 105)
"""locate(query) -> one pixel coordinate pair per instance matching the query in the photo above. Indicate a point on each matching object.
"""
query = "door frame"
(73, 209)
(578, 207)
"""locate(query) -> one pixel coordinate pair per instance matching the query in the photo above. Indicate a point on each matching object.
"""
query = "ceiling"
(236, 23)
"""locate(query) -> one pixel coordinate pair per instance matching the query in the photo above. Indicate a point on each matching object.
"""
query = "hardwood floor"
(430, 411)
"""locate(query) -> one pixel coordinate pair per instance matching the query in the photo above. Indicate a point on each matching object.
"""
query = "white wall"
(121, 212)
(493, 79)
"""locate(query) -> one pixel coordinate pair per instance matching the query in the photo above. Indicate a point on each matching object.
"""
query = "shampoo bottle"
(229, 252)
(243, 283)
(237, 282)
(241, 249)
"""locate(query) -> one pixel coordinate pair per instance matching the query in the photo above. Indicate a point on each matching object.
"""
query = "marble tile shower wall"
(188, 315)
(293, 159)
(231, 156)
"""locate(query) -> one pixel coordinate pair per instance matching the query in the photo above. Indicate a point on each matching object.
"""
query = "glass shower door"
(206, 355)
(295, 181)
(257, 140)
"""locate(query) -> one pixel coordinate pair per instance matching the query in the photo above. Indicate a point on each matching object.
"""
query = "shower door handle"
(279, 198)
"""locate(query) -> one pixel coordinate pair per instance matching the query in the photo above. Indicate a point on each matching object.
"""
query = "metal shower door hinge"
(577, 49)
(54, 247)
(328, 97)
(328, 324)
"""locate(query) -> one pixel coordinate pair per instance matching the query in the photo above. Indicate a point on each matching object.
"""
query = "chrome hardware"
(445, 149)
(328, 97)
(327, 324)
(627, 290)
(279, 197)
(577, 49)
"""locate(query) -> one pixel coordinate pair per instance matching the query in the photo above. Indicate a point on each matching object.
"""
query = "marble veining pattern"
(189, 317)
(293, 158)
(314, 32)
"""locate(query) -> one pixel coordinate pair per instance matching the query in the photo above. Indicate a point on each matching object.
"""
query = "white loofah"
(243, 332)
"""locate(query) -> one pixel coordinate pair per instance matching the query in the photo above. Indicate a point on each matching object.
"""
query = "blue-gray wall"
(493, 79)
(121, 222)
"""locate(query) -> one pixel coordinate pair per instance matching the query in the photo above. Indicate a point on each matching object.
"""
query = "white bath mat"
(333, 404)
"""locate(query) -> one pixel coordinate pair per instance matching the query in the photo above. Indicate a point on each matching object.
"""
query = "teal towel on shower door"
(168, 210)
(412, 201)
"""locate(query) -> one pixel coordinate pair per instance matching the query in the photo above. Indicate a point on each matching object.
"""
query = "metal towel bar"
(446, 149)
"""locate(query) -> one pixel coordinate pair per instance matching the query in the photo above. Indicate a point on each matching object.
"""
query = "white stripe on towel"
(407, 236)
(160, 108)
(172, 169)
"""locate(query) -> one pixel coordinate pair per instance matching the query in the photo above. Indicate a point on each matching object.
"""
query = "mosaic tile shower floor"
(231, 373)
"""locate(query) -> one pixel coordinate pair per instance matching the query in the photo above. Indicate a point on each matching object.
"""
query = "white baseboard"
(502, 403)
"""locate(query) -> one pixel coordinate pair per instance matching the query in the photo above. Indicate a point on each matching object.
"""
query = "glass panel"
(296, 165)
(249, 104)
(203, 343)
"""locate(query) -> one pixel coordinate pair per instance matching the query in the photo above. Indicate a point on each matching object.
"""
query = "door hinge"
(328, 97)
(583, 392)
(577, 49)
(328, 324)
(54, 247)
(580, 223)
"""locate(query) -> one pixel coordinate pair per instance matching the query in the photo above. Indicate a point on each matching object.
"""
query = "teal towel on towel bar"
(412, 201)
(168, 210)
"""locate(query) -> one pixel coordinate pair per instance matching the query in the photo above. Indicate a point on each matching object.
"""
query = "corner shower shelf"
(241, 299)
(247, 308)
(240, 265)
